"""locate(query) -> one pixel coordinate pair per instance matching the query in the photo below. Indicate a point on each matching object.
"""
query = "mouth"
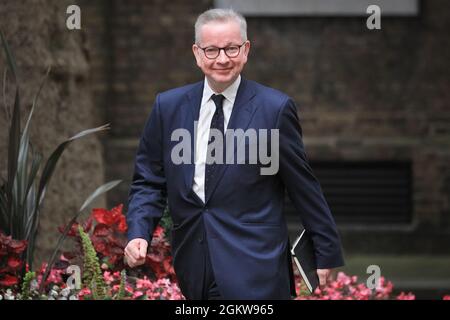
(227, 69)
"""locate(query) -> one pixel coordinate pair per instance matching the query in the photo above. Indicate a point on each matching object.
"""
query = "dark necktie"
(217, 123)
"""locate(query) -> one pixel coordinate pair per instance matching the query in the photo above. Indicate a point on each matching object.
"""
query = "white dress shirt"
(207, 109)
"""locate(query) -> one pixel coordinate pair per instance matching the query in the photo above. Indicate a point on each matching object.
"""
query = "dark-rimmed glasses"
(230, 51)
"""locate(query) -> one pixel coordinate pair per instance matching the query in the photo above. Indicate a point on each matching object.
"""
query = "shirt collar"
(229, 93)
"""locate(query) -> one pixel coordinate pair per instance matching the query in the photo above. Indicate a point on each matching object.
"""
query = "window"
(364, 192)
(319, 7)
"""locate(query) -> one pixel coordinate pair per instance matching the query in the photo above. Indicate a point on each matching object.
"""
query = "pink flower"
(158, 233)
(144, 284)
(408, 296)
(55, 276)
(129, 289)
(137, 294)
(84, 292)
(343, 279)
(108, 277)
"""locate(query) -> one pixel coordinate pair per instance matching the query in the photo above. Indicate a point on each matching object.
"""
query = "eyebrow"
(228, 44)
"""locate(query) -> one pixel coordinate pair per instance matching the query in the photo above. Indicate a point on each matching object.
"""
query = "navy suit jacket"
(242, 217)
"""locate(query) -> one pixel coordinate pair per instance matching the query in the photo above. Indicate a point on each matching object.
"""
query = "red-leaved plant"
(109, 240)
(10, 260)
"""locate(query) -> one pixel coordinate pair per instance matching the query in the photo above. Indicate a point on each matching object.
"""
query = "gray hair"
(220, 15)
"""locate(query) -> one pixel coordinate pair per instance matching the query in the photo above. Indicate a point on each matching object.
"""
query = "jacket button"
(200, 240)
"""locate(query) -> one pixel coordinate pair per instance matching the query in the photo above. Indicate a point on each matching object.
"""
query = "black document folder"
(305, 259)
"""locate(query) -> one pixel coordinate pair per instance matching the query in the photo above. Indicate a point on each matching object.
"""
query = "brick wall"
(363, 95)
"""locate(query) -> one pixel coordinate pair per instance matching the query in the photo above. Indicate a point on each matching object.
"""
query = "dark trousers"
(210, 289)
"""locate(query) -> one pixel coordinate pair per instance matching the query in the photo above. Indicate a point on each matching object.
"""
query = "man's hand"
(323, 274)
(135, 252)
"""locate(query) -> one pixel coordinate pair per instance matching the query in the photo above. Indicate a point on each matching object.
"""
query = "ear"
(246, 51)
(196, 51)
(247, 48)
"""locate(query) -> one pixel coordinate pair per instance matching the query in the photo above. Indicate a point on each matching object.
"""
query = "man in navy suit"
(229, 236)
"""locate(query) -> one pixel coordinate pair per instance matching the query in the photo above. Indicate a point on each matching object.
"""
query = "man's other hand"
(135, 252)
(324, 275)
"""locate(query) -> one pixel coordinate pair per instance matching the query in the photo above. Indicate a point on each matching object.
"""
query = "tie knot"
(218, 100)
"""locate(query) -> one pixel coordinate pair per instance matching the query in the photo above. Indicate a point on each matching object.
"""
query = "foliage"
(26, 284)
(166, 222)
(123, 281)
(22, 193)
(10, 259)
(92, 275)
(155, 280)
(107, 230)
(100, 190)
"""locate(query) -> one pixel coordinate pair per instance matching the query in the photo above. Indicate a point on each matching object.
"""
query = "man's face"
(223, 70)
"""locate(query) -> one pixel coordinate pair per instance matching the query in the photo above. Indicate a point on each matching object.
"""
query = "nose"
(222, 58)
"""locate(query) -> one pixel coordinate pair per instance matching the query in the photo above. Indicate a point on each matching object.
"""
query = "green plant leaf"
(25, 178)
(35, 164)
(13, 154)
(99, 191)
(14, 139)
(102, 189)
(30, 193)
(5, 104)
(9, 56)
(49, 170)
(22, 171)
(35, 99)
(4, 215)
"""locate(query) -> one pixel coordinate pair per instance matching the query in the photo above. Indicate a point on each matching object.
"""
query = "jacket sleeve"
(304, 190)
(148, 195)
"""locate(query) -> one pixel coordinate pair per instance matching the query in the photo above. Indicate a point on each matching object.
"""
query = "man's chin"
(224, 80)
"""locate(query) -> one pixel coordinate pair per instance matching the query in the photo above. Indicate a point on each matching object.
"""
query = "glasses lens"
(211, 52)
(232, 51)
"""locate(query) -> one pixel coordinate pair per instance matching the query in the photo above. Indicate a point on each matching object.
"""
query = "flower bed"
(99, 244)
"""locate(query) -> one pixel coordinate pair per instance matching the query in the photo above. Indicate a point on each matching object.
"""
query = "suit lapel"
(192, 115)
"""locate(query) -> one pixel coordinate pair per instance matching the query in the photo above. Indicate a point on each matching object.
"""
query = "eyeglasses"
(230, 51)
